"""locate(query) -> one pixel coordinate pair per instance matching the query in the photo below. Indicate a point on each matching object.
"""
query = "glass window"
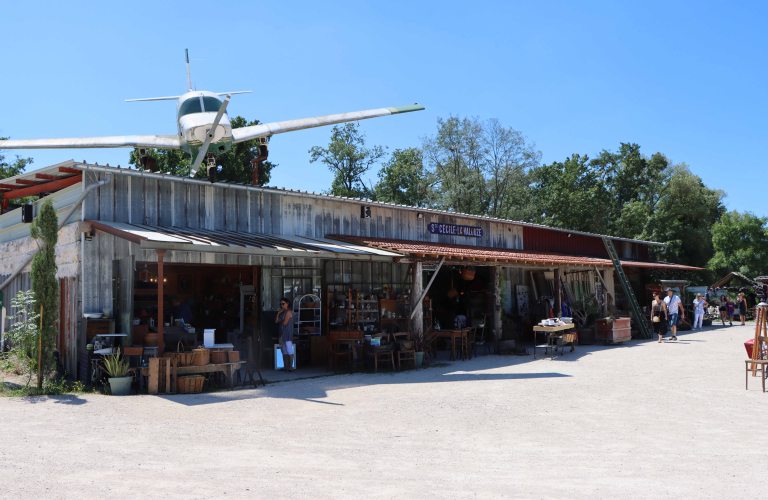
(211, 104)
(190, 106)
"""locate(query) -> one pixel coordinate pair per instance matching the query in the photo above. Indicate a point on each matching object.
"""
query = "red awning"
(498, 255)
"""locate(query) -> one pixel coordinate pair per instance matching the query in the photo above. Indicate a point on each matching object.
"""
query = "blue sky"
(687, 79)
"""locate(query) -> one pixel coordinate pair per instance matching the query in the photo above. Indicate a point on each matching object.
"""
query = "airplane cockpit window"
(190, 106)
(211, 104)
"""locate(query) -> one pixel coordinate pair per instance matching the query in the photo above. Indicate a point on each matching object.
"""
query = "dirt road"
(643, 420)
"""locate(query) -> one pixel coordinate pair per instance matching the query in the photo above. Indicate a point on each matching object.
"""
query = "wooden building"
(280, 242)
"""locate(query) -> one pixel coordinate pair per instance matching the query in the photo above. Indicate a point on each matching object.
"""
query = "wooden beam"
(426, 289)
(27, 183)
(69, 170)
(45, 187)
(160, 254)
(47, 177)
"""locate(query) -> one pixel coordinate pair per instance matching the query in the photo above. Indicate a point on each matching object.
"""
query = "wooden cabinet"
(617, 330)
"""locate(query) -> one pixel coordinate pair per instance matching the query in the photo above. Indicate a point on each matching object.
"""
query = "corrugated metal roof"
(361, 201)
(204, 240)
(465, 252)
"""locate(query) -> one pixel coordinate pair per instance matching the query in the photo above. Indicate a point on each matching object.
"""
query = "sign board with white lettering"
(454, 230)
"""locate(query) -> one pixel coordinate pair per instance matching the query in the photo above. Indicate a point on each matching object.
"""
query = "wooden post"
(558, 296)
(160, 342)
(496, 307)
(417, 320)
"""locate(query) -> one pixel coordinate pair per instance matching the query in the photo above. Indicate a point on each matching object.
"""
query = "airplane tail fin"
(189, 77)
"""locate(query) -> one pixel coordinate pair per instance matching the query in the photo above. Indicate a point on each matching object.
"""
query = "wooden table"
(452, 335)
(228, 369)
(549, 331)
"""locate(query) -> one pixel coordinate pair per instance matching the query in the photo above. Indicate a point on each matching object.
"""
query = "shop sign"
(454, 230)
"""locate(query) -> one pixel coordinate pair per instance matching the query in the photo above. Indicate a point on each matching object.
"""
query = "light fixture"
(88, 236)
(419, 215)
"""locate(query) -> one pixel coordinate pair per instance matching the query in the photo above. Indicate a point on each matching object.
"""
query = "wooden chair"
(405, 349)
(335, 354)
(758, 365)
(134, 355)
(379, 355)
(471, 340)
(462, 344)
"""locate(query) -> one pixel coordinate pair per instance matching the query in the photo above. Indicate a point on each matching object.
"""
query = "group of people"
(669, 311)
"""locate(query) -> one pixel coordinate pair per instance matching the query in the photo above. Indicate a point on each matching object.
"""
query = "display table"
(228, 369)
(551, 332)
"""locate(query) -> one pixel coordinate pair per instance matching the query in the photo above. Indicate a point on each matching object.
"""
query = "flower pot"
(150, 339)
(419, 358)
(120, 386)
(586, 336)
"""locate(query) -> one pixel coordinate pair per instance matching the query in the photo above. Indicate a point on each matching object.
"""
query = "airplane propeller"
(209, 137)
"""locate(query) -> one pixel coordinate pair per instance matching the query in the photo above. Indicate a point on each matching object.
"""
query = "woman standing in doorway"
(742, 305)
(285, 333)
(659, 316)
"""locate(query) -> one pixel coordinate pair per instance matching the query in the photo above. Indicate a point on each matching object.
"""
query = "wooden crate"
(95, 327)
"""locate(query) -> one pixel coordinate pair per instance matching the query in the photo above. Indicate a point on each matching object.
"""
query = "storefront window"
(366, 277)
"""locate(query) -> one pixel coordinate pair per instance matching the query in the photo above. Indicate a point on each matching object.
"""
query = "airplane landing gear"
(210, 162)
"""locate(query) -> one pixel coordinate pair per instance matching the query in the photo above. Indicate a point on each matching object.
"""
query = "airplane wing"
(265, 129)
(118, 141)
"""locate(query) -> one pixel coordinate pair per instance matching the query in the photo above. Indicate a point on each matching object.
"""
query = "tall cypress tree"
(45, 229)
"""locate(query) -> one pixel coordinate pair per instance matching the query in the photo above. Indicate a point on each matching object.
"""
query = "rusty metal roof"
(204, 240)
(498, 255)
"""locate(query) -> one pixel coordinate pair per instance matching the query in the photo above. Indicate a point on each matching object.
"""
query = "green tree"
(508, 161)
(741, 244)
(455, 155)
(570, 194)
(12, 167)
(349, 160)
(45, 229)
(235, 164)
(403, 180)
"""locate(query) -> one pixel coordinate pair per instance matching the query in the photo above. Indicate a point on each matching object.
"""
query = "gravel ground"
(642, 420)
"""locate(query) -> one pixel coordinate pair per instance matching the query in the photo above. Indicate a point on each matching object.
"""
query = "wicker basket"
(468, 274)
(233, 356)
(190, 384)
(218, 357)
(201, 356)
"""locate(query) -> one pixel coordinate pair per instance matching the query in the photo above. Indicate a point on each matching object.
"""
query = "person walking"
(731, 310)
(742, 305)
(285, 334)
(659, 316)
(723, 308)
(674, 311)
(699, 303)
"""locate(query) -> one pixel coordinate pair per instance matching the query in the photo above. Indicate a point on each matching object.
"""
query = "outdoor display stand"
(613, 330)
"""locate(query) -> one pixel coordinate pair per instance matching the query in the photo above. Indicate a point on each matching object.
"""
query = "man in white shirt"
(674, 310)
(699, 303)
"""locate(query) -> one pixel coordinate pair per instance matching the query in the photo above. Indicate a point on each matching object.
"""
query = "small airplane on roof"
(204, 129)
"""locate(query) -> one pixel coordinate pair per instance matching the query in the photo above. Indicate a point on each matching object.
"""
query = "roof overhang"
(229, 242)
(466, 254)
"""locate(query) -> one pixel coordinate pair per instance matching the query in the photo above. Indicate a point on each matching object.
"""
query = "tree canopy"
(12, 166)
(740, 242)
(349, 160)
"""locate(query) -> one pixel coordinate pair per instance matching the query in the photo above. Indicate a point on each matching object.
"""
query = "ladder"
(645, 331)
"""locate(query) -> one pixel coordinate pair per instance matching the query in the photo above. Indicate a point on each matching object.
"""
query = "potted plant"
(424, 342)
(116, 367)
(585, 314)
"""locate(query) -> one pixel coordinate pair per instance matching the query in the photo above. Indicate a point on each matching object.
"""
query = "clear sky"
(687, 79)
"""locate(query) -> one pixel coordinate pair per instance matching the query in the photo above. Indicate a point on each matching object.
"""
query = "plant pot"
(150, 339)
(418, 358)
(120, 386)
(506, 345)
(586, 336)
